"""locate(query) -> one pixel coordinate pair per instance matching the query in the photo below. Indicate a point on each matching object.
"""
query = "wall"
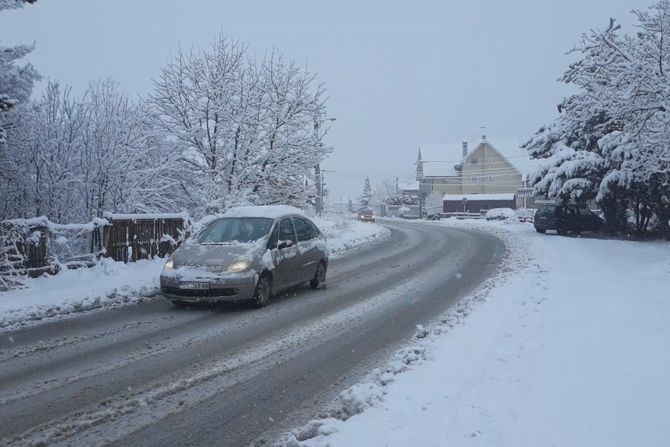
(498, 175)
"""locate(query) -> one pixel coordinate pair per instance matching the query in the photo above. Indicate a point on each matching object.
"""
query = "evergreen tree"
(367, 192)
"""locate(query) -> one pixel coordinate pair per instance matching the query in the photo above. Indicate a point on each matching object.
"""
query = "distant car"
(500, 214)
(366, 215)
(248, 254)
(566, 219)
(525, 215)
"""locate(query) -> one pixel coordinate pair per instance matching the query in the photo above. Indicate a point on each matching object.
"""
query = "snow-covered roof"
(270, 211)
(441, 159)
(475, 197)
(408, 185)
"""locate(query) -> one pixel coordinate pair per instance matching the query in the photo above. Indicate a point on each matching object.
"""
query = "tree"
(367, 192)
(16, 84)
(247, 131)
(384, 190)
(611, 141)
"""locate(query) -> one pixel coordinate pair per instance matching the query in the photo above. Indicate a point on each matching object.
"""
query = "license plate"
(194, 285)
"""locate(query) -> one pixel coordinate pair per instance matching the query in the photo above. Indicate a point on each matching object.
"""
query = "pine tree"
(367, 192)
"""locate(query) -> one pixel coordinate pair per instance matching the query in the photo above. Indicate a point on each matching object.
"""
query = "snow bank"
(566, 346)
(345, 233)
(107, 283)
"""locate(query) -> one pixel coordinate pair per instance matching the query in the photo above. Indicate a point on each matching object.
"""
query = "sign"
(524, 192)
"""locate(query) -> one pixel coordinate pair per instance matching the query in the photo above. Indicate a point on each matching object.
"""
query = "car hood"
(211, 255)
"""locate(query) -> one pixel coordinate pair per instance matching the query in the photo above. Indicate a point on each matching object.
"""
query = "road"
(152, 374)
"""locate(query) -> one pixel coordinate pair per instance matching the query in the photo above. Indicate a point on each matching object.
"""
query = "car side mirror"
(284, 244)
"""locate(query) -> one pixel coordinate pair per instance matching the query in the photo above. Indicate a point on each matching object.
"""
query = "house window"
(474, 161)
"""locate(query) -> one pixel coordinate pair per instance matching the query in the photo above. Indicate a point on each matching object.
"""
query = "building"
(475, 175)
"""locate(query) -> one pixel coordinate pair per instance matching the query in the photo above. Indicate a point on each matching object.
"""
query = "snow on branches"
(16, 81)
(245, 131)
(611, 141)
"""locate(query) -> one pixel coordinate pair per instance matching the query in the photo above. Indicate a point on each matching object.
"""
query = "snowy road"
(152, 374)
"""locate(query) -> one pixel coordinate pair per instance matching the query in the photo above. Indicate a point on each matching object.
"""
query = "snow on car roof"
(269, 211)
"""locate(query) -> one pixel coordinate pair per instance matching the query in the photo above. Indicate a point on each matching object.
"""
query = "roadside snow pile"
(344, 233)
(565, 347)
(107, 283)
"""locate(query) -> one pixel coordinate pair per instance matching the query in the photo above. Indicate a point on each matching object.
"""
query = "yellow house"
(494, 168)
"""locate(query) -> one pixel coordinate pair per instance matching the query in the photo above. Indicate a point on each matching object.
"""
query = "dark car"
(366, 215)
(566, 219)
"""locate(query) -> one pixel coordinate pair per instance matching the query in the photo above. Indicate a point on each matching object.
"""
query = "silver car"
(248, 254)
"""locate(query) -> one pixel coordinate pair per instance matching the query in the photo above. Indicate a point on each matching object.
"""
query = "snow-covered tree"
(247, 131)
(16, 84)
(611, 141)
(384, 190)
(366, 197)
(76, 158)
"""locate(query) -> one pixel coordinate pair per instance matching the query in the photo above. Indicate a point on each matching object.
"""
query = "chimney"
(465, 149)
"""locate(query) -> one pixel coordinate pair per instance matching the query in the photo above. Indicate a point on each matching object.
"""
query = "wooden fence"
(130, 237)
(24, 248)
(35, 246)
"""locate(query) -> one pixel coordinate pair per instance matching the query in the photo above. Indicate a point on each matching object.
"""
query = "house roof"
(440, 159)
(408, 185)
(475, 197)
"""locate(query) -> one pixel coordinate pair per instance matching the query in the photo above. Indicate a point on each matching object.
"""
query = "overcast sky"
(398, 73)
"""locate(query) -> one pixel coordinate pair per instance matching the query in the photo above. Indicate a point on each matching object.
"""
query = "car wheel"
(319, 276)
(263, 291)
(561, 231)
(540, 230)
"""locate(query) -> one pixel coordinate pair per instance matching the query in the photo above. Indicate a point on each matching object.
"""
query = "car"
(247, 254)
(566, 219)
(525, 215)
(500, 214)
(366, 215)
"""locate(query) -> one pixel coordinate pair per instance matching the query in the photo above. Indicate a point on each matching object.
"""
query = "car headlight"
(239, 266)
(169, 265)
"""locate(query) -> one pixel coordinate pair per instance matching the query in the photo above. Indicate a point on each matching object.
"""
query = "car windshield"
(235, 229)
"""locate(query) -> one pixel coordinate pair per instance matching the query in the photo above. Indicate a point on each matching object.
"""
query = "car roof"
(268, 211)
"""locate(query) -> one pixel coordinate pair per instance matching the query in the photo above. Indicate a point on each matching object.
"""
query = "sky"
(398, 74)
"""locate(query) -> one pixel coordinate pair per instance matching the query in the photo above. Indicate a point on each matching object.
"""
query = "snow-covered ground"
(568, 346)
(345, 233)
(113, 283)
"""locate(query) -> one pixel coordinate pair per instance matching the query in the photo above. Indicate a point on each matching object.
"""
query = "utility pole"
(317, 168)
(322, 187)
(319, 190)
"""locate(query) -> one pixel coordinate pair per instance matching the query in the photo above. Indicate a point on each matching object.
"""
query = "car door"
(309, 255)
(285, 255)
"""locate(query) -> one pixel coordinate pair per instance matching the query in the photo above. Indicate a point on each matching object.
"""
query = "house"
(475, 176)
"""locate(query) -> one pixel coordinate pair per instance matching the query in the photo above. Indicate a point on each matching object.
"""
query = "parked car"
(366, 215)
(525, 215)
(500, 214)
(566, 219)
(248, 254)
